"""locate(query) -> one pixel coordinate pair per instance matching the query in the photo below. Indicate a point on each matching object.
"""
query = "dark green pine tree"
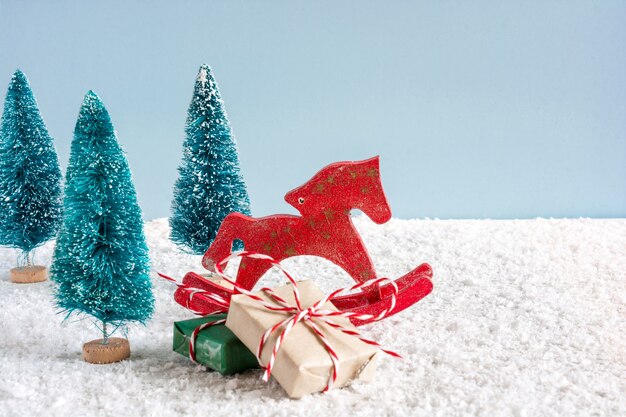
(101, 262)
(210, 184)
(30, 178)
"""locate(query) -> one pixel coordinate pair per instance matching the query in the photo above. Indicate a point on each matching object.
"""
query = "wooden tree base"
(116, 350)
(29, 274)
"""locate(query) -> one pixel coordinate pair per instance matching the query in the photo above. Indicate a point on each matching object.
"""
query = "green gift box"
(216, 346)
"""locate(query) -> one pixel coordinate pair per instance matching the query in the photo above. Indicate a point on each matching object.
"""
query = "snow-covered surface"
(527, 318)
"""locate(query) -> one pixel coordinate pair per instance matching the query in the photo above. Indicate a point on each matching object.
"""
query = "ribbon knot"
(311, 316)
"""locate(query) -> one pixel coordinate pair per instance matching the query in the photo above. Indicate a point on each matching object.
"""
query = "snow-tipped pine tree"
(210, 184)
(101, 262)
(30, 177)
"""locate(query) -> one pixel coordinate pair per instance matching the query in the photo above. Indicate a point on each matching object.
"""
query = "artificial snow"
(527, 318)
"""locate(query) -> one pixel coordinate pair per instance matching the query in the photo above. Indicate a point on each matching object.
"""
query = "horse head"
(343, 186)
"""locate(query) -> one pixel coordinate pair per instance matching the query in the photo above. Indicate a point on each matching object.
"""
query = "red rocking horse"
(324, 229)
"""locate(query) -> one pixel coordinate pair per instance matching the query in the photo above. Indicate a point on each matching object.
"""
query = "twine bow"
(296, 313)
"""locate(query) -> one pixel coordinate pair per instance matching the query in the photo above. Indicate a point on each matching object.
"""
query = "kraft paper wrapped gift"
(303, 364)
(217, 347)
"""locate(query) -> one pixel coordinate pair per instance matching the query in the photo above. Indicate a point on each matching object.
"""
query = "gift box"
(303, 364)
(216, 347)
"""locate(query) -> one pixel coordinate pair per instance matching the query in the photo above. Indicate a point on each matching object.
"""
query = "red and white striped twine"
(311, 316)
(194, 336)
(191, 292)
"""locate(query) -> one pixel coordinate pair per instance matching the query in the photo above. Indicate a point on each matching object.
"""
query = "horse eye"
(301, 200)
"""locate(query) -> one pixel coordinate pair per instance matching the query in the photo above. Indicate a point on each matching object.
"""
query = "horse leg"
(352, 256)
(250, 272)
(223, 243)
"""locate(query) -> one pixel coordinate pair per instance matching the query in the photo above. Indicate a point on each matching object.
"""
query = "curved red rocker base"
(412, 287)
(324, 228)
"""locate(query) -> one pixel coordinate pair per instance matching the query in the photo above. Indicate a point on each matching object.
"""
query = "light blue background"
(478, 109)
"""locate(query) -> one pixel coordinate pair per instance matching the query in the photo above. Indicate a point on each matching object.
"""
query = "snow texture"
(527, 318)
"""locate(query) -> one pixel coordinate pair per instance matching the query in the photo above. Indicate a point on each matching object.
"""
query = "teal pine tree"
(101, 260)
(210, 184)
(30, 178)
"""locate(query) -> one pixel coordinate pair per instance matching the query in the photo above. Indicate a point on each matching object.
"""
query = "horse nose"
(290, 198)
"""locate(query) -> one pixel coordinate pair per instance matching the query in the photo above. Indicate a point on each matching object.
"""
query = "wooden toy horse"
(323, 229)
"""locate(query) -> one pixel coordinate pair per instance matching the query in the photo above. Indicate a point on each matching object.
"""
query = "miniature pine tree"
(101, 260)
(30, 177)
(210, 184)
